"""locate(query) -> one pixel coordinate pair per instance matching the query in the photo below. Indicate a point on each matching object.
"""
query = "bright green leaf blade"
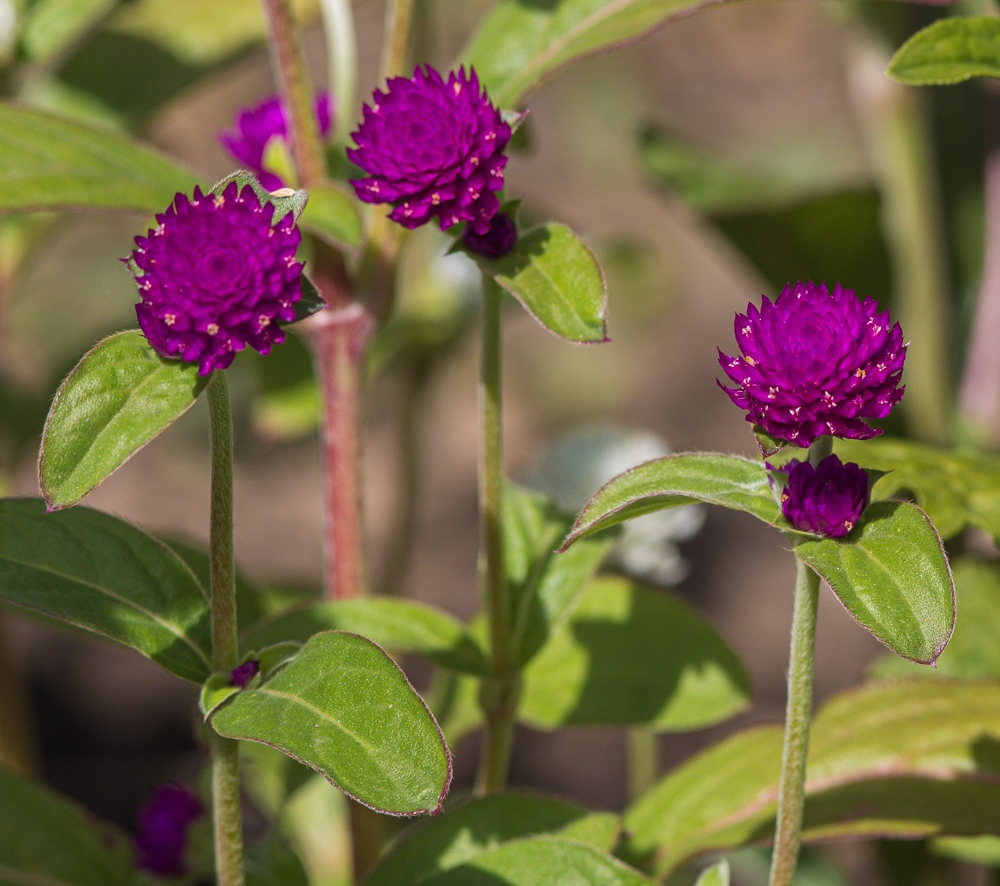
(52, 163)
(892, 575)
(727, 480)
(895, 759)
(119, 397)
(50, 26)
(271, 863)
(400, 625)
(333, 214)
(949, 51)
(214, 691)
(957, 487)
(555, 276)
(47, 841)
(631, 655)
(521, 44)
(343, 707)
(101, 574)
(716, 875)
(474, 827)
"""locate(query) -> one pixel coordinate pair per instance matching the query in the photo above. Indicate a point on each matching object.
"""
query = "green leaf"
(101, 574)
(472, 828)
(727, 480)
(892, 575)
(48, 841)
(716, 875)
(543, 585)
(310, 302)
(284, 200)
(120, 396)
(632, 655)
(214, 691)
(51, 26)
(956, 487)
(949, 51)
(520, 44)
(401, 625)
(343, 707)
(271, 863)
(52, 163)
(333, 214)
(553, 273)
(895, 759)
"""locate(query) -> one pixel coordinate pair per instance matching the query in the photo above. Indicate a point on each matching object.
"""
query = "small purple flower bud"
(815, 363)
(216, 276)
(255, 127)
(433, 150)
(161, 840)
(244, 673)
(828, 500)
(497, 241)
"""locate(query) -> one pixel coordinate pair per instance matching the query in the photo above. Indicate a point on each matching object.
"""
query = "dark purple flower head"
(244, 673)
(815, 363)
(217, 276)
(432, 148)
(255, 127)
(828, 499)
(497, 241)
(161, 840)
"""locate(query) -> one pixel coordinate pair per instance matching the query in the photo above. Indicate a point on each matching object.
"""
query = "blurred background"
(723, 156)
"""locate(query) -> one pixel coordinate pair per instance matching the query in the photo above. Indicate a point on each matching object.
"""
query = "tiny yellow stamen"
(212, 329)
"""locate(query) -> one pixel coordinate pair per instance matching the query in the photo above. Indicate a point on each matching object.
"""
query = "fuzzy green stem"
(342, 52)
(498, 695)
(226, 811)
(396, 44)
(293, 80)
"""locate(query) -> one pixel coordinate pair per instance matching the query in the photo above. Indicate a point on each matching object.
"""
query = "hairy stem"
(226, 811)
(342, 51)
(293, 81)
(396, 43)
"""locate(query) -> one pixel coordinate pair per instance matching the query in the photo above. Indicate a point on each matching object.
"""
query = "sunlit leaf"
(949, 51)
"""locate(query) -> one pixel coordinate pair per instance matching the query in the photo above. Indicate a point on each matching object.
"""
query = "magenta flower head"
(161, 840)
(497, 241)
(216, 275)
(242, 674)
(255, 127)
(815, 363)
(432, 149)
(827, 500)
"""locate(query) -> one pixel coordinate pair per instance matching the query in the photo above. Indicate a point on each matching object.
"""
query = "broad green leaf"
(974, 850)
(401, 625)
(99, 573)
(214, 691)
(895, 759)
(727, 480)
(632, 655)
(343, 707)
(541, 861)
(333, 214)
(542, 584)
(45, 840)
(520, 44)
(50, 26)
(51, 163)
(949, 51)
(555, 276)
(956, 487)
(716, 875)
(120, 396)
(270, 862)
(472, 828)
(892, 575)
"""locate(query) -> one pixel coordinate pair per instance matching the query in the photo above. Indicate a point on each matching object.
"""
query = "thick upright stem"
(293, 80)
(342, 50)
(498, 695)
(396, 43)
(226, 811)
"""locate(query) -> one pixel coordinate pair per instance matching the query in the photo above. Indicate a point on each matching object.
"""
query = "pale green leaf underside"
(949, 51)
(716, 875)
(333, 213)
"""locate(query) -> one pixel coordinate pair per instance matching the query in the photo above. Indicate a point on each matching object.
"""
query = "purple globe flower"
(242, 674)
(815, 363)
(432, 149)
(216, 276)
(255, 127)
(497, 241)
(161, 840)
(827, 500)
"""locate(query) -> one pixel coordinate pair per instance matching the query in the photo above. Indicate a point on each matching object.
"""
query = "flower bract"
(497, 241)
(216, 275)
(828, 499)
(161, 839)
(433, 149)
(255, 127)
(814, 363)
(242, 674)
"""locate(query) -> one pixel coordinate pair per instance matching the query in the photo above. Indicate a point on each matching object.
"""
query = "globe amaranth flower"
(433, 149)
(242, 674)
(815, 363)
(216, 276)
(255, 127)
(828, 499)
(161, 839)
(497, 241)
